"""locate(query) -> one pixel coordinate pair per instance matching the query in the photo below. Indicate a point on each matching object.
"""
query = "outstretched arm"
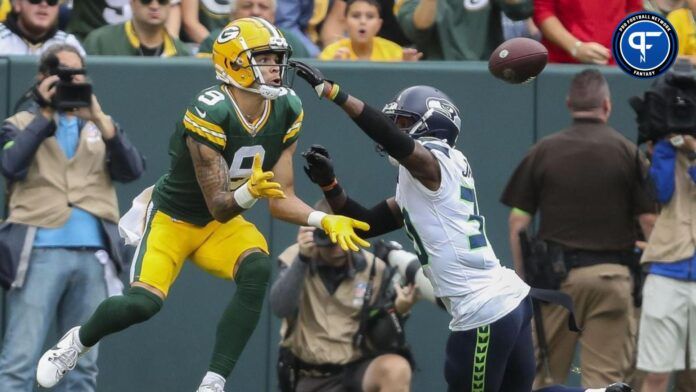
(213, 178)
(382, 218)
(420, 162)
(340, 229)
(291, 209)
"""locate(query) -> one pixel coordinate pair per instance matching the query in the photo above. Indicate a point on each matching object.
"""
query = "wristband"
(243, 197)
(315, 218)
(576, 46)
(691, 155)
(336, 95)
(334, 191)
(330, 186)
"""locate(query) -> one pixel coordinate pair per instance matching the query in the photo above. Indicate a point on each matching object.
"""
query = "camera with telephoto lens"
(669, 105)
(70, 95)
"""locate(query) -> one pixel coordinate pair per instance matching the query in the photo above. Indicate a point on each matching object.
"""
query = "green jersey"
(214, 119)
(468, 30)
(88, 15)
(121, 40)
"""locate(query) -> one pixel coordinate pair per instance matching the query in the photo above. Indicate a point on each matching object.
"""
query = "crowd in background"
(372, 30)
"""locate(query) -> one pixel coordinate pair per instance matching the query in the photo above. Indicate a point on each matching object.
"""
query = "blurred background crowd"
(374, 30)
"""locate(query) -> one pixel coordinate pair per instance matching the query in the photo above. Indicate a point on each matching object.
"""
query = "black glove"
(311, 74)
(319, 167)
(382, 249)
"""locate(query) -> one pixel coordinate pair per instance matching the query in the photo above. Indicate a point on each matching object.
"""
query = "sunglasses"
(49, 2)
(161, 2)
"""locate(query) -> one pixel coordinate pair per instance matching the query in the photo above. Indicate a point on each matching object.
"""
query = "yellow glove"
(259, 183)
(258, 186)
(340, 230)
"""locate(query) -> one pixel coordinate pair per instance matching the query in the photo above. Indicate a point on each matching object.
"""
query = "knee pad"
(142, 304)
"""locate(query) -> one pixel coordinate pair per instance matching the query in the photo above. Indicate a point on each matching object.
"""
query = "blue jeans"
(64, 284)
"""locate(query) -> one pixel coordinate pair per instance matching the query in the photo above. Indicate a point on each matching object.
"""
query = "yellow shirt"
(5, 8)
(683, 22)
(382, 50)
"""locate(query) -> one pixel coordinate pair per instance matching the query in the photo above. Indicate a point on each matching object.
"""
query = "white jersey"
(13, 44)
(449, 235)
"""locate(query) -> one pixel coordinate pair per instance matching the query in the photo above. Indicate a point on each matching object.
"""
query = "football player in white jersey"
(490, 346)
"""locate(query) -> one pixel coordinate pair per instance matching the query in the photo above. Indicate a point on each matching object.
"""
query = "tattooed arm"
(213, 178)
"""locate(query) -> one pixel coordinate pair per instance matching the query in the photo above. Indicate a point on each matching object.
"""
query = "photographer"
(59, 247)
(667, 328)
(320, 293)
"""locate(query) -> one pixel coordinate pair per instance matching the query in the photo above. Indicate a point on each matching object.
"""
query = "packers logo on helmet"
(234, 51)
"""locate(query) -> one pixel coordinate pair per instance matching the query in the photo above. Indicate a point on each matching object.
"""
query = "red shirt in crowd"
(586, 20)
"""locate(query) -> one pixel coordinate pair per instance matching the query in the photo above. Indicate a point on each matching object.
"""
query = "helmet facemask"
(277, 46)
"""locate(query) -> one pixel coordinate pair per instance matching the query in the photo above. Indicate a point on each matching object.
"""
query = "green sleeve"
(405, 18)
(181, 48)
(206, 46)
(91, 43)
(294, 120)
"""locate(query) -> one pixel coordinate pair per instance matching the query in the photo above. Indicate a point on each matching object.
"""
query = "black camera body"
(668, 106)
(70, 95)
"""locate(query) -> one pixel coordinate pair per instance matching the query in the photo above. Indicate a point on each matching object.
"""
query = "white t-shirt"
(12, 44)
(448, 233)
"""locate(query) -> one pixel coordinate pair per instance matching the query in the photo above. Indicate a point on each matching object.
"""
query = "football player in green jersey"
(233, 146)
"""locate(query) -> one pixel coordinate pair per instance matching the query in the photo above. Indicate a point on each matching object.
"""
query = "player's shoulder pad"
(210, 104)
(293, 101)
(436, 145)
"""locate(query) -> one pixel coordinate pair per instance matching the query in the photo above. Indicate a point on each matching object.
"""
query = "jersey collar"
(254, 127)
(169, 48)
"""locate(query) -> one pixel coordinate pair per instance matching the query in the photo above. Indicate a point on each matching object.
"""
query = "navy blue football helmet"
(425, 111)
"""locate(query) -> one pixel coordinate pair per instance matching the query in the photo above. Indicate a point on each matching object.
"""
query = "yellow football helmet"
(234, 51)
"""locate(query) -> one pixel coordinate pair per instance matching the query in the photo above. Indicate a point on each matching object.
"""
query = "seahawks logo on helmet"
(445, 108)
(228, 34)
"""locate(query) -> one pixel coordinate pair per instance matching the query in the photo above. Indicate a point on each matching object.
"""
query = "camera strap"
(359, 337)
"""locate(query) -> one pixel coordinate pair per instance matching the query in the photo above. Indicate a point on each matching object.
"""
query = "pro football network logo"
(645, 45)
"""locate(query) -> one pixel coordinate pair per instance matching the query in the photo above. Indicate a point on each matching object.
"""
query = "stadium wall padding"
(147, 96)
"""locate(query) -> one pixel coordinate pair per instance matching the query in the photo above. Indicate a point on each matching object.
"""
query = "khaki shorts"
(667, 325)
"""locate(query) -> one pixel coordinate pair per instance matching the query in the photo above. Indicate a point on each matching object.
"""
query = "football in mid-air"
(518, 60)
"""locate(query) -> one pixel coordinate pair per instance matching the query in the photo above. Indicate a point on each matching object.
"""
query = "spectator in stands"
(450, 30)
(333, 27)
(580, 32)
(662, 7)
(5, 8)
(683, 21)
(301, 18)
(59, 166)
(363, 22)
(143, 35)
(520, 28)
(89, 15)
(264, 9)
(200, 17)
(590, 219)
(31, 27)
(667, 327)
(319, 294)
